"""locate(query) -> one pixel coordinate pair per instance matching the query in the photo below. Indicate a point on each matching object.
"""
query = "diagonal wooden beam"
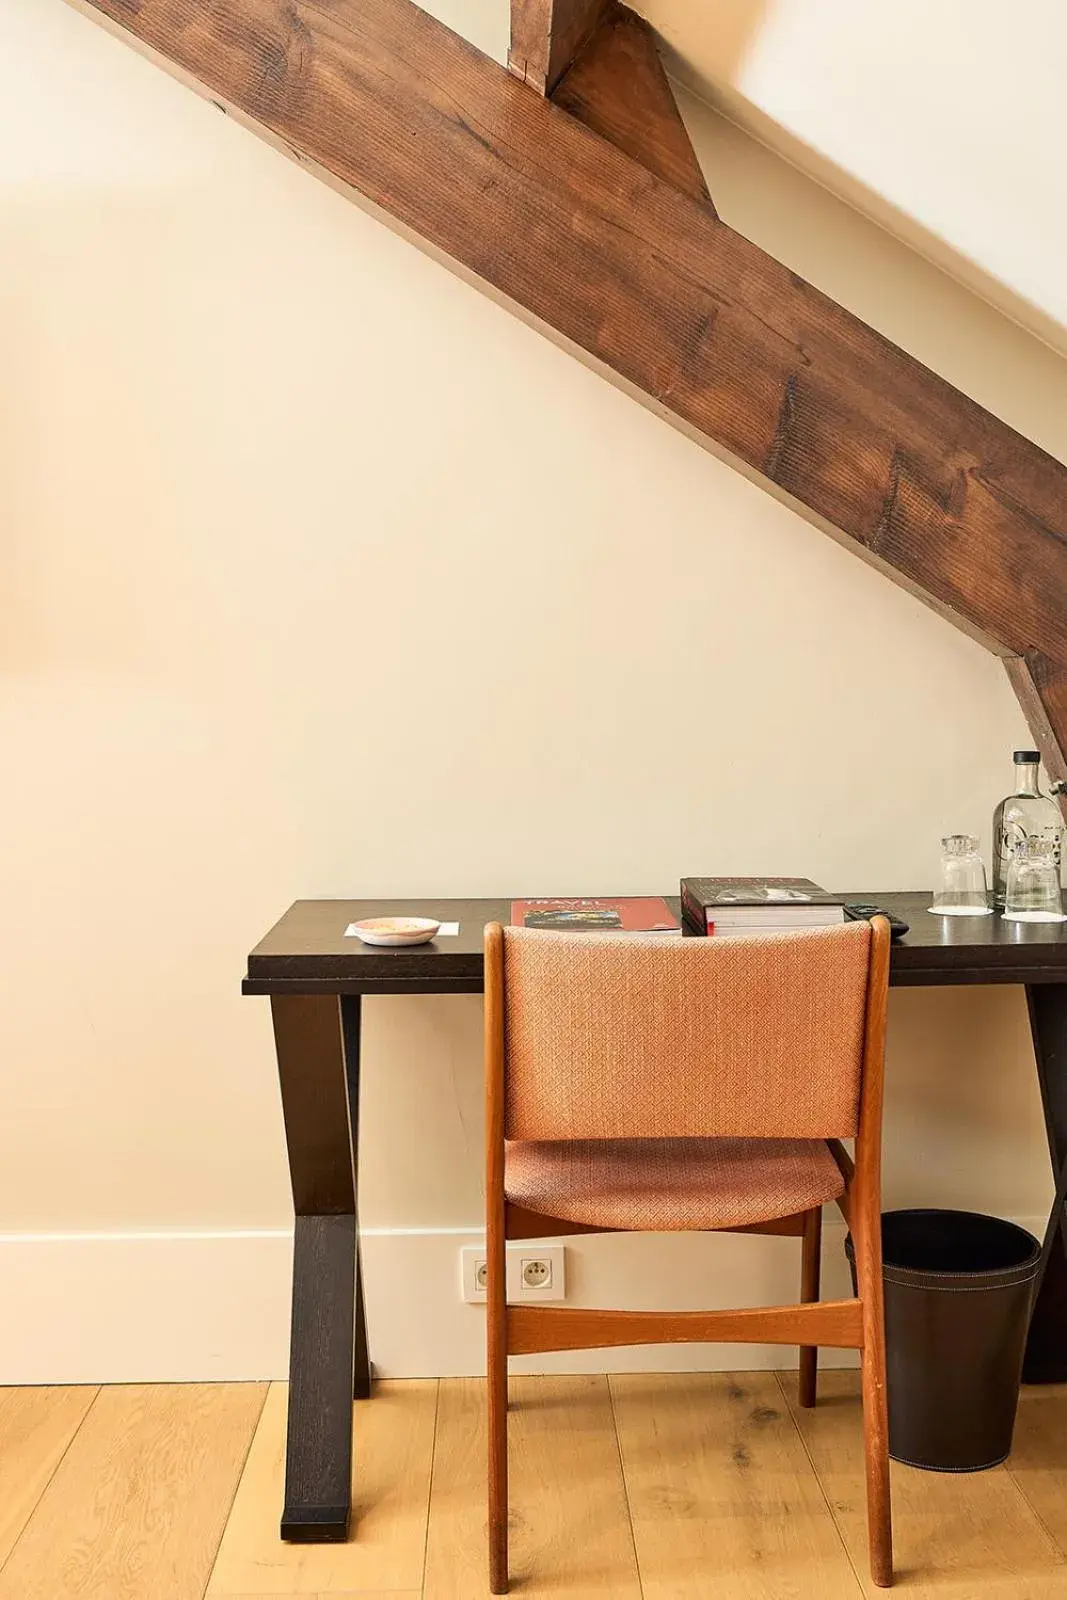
(1041, 687)
(546, 35)
(650, 288)
(617, 87)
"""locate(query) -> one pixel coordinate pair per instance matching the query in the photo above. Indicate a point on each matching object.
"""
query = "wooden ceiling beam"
(617, 87)
(650, 288)
(1041, 688)
(546, 35)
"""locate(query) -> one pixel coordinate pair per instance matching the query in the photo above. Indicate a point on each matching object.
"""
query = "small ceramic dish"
(396, 930)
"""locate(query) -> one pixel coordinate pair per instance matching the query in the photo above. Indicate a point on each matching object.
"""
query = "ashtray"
(396, 930)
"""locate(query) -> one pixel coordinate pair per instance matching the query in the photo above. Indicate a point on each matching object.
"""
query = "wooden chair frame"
(856, 1324)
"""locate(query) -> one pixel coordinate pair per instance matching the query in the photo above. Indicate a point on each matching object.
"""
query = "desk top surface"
(308, 952)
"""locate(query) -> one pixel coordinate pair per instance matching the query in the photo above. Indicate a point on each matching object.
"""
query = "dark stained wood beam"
(617, 87)
(546, 35)
(651, 289)
(1041, 687)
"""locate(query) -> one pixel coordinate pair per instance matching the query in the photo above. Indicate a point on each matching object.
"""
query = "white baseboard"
(210, 1306)
(144, 1307)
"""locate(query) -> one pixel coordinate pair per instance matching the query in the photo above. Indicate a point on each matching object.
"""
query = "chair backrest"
(610, 1036)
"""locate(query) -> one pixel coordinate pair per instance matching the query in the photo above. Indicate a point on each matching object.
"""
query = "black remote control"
(859, 911)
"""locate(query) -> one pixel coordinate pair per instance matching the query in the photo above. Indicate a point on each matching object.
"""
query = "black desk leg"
(361, 1381)
(1046, 1348)
(350, 1022)
(315, 1086)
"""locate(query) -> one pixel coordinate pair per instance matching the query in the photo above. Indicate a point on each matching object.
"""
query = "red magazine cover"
(583, 914)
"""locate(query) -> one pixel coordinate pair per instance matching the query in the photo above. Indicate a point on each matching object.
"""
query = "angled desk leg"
(351, 1016)
(319, 1085)
(1046, 1348)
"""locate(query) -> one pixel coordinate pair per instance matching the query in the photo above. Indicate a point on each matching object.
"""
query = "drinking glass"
(962, 891)
(1033, 888)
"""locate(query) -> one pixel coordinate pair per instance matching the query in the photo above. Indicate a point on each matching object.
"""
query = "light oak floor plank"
(570, 1531)
(393, 1455)
(36, 1426)
(722, 1494)
(1038, 1461)
(136, 1507)
(956, 1535)
(132, 1490)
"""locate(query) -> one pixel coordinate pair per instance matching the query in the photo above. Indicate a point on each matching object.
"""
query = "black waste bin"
(958, 1290)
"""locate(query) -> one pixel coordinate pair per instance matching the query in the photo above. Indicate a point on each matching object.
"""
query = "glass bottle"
(1026, 814)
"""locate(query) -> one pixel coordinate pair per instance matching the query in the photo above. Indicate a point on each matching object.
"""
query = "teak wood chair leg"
(810, 1261)
(497, 1371)
(496, 1294)
(867, 1239)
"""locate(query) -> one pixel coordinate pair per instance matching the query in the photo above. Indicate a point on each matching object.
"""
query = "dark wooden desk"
(315, 977)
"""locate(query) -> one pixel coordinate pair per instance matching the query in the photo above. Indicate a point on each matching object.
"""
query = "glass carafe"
(1026, 814)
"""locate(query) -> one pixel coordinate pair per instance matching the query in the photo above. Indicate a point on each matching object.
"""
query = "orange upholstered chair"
(654, 1084)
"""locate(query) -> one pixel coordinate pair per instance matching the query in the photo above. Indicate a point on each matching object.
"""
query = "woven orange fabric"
(615, 1036)
(659, 1185)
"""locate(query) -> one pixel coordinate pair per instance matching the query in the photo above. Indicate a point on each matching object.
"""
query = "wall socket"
(534, 1271)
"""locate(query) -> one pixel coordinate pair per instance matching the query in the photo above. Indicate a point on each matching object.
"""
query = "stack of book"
(730, 906)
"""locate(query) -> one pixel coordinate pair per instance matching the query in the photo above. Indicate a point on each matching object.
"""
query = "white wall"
(293, 605)
(945, 119)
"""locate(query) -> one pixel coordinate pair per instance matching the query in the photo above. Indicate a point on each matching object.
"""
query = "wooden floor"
(671, 1487)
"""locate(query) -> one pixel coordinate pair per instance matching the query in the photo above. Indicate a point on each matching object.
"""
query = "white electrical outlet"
(534, 1272)
(472, 1273)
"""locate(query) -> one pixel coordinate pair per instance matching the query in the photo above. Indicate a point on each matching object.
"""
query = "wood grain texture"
(570, 1530)
(394, 1453)
(617, 87)
(957, 1535)
(652, 290)
(722, 1495)
(725, 1501)
(833, 1323)
(1038, 1460)
(137, 1506)
(810, 1265)
(351, 1034)
(317, 1044)
(1041, 688)
(865, 1214)
(318, 1470)
(496, 1343)
(546, 35)
(309, 939)
(36, 1427)
(312, 1072)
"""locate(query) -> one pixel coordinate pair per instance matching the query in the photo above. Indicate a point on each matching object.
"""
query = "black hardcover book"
(738, 904)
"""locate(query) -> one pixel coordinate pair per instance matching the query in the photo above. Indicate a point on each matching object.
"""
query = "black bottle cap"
(1026, 757)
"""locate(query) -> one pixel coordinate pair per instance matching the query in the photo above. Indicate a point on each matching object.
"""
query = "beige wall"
(324, 575)
(944, 119)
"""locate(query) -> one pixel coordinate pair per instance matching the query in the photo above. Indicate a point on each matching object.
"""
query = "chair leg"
(811, 1254)
(497, 1372)
(868, 1246)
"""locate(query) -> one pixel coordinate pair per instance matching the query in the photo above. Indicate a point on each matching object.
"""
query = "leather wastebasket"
(958, 1292)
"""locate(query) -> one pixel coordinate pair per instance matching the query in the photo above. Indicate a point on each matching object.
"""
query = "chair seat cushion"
(660, 1185)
